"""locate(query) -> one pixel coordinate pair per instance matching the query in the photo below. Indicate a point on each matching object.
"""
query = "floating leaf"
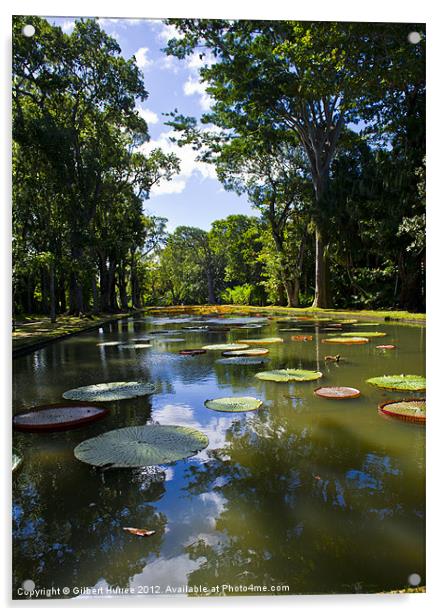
(365, 334)
(246, 353)
(141, 446)
(302, 338)
(192, 352)
(57, 417)
(104, 392)
(399, 382)
(337, 393)
(16, 460)
(139, 345)
(289, 374)
(105, 344)
(385, 347)
(170, 340)
(364, 324)
(261, 341)
(291, 329)
(233, 404)
(351, 340)
(225, 347)
(242, 361)
(140, 532)
(412, 409)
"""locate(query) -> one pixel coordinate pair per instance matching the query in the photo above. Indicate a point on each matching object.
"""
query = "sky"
(194, 197)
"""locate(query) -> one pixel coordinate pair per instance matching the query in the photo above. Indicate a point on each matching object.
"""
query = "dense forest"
(321, 125)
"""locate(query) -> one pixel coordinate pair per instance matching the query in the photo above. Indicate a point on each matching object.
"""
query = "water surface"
(303, 496)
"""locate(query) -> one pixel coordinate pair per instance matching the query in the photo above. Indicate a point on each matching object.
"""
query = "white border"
(376, 10)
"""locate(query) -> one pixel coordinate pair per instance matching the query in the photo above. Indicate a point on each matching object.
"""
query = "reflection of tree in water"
(68, 524)
(311, 506)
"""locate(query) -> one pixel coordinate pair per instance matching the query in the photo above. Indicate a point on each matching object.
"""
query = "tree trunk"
(321, 298)
(210, 282)
(95, 293)
(52, 295)
(112, 287)
(122, 287)
(76, 292)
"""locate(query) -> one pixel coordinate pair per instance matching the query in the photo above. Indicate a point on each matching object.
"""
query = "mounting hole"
(28, 30)
(414, 579)
(28, 585)
(414, 38)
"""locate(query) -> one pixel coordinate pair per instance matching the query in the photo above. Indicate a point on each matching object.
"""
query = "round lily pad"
(141, 446)
(171, 340)
(16, 460)
(106, 392)
(192, 352)
(365, 334)
(386, 347)
(57, 417)
(291, 329)
(105, 344)
(364, 324)
(413, 410)
(233, 404)
(399, 382)
(261, 341)
(138, 345)
(337, 393)
(242, 361)
(289, 374)
(246, 353)
(225, 347)
(302, 338)
(342, 340)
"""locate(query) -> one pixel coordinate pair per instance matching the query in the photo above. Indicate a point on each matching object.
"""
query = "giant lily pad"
(59, 416)
(337, 393)
(233, 404)
(289, 374)
(141, 446)
(106, 344)
(399, 382)
(261, 341)
(137, 345)
(225, 347)
(365, 334)
(342, 340)
(246, 352)
(413, 410)
(106, 392)
(242, 361)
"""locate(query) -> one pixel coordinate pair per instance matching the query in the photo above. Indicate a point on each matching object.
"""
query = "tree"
(309, 79)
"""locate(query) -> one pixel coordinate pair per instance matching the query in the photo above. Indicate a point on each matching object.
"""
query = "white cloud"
(149, 116)
(142, 59)
(168, 32)
(194, 86)
(68, 26)
(189, 166)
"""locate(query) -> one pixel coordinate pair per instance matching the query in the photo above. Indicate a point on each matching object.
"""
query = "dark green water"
(309, 495)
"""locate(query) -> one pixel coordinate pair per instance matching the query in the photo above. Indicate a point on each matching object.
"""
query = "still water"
(303, 496)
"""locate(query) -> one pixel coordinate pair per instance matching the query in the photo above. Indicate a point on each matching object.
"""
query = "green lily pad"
(365, 334)
(233, 404)
(246, 352)
(141, 446)
(399, 382)
(289, 374)
(344, 340)
(225, 347)
(242, 361)
(106, 344)
(261, 340)
(364, 324)
(291, 329)
(408, 410)
(138, 345)
(16, 460)
(106, 392)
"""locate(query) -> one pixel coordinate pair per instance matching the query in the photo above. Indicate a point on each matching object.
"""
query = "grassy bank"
(35, 331)
(377, 315)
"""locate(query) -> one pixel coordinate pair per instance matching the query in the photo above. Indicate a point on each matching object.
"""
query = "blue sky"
(195, 197)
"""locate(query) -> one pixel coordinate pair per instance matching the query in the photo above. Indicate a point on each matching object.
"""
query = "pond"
(304, 495)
